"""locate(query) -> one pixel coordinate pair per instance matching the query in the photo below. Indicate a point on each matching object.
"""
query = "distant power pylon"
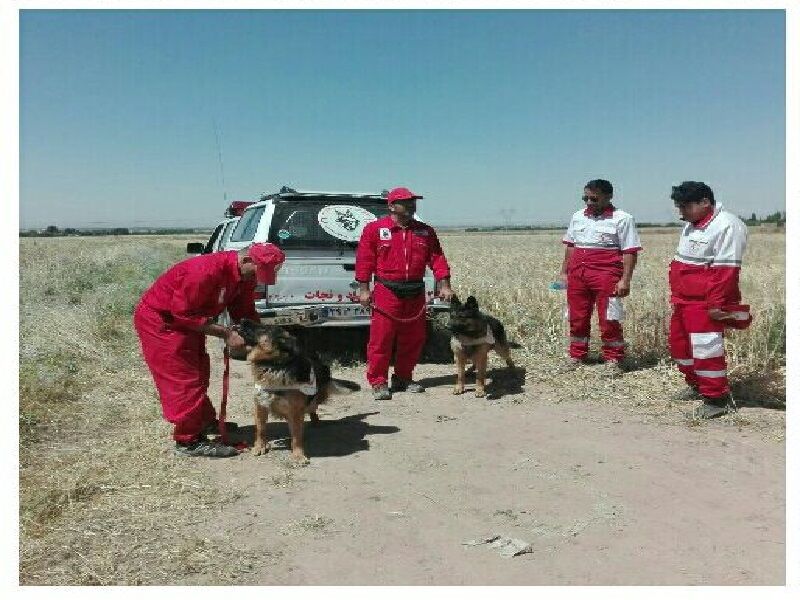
(508, 216)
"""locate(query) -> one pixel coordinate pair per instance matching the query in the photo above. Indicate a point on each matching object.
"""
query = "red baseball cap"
(401, 193)
(268, 258)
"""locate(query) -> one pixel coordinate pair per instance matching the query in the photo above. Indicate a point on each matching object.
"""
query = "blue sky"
(494, 116)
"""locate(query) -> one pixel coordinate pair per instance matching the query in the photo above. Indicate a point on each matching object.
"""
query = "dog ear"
(291, 344)
(471, 303)
(248, 330)
(454, 301)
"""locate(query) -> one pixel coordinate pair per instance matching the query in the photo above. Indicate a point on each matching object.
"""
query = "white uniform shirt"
(719, 242)
(616, 231)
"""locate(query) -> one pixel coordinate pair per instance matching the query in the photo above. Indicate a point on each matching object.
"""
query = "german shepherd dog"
(288, 383)
(473, 335)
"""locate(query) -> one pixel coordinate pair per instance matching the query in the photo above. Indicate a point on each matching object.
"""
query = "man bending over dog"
(172, 320)
(396, 249)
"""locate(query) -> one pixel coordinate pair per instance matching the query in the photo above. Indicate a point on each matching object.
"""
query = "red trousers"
(587, 287)
(696, 343)
(181, 369)
(384, 332)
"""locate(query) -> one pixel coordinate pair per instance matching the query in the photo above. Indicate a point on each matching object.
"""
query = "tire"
(437, 345)
(342, 345)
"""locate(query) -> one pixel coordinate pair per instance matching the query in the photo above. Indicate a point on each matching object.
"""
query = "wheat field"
(509, 274)
(100, 496)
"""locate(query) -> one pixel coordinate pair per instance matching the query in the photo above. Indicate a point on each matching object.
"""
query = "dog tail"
(342, 387)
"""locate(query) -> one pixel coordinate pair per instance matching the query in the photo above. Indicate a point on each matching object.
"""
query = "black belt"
(403, 289)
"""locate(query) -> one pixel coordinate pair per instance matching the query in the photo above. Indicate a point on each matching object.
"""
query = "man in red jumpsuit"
(601, 249)
(396, 249)
(705, 297)
(172, 320)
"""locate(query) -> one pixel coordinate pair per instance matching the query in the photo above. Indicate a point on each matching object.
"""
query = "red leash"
(223, 430)
(398, 319)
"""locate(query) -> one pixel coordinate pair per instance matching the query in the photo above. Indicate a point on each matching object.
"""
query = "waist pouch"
(403, 289)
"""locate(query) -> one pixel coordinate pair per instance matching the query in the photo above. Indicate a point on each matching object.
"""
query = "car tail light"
(236, 209)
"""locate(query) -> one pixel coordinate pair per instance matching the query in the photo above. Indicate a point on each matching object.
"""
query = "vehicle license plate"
(308, 316)
(336, 313)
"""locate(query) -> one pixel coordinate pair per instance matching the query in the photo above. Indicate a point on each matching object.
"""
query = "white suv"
(319, 232)
(222, 232)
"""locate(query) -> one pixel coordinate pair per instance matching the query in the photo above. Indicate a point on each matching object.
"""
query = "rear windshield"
(246, 227)
(328, 223)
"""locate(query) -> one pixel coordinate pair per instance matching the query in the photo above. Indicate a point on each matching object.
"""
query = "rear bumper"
(327, 315)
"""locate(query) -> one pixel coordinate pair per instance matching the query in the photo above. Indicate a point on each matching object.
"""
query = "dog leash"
(399, 319)
(223, 430)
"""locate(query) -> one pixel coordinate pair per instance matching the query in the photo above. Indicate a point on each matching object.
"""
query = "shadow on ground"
(501, 382)
(759, 390)
(329, 437)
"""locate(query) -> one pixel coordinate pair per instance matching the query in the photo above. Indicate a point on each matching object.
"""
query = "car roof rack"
(286, 193)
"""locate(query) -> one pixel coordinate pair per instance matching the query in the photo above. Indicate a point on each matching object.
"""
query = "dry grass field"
(509, 275)
(103, 501)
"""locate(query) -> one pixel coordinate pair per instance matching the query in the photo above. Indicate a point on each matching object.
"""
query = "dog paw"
(480, 393)
(299, 460)
(459, 389)
(260, 448)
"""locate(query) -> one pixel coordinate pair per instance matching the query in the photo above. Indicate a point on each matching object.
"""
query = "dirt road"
(603, 494)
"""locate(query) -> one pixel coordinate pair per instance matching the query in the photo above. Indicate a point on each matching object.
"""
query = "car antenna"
(221, 167)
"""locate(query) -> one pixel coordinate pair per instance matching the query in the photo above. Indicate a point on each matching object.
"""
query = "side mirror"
(195, 248)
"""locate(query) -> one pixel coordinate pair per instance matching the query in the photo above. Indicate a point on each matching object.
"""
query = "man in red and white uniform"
(601, 249)
(172, 320)
(705, 297)
(396, 249)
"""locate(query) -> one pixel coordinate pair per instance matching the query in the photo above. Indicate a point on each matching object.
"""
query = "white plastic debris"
(511, 546)
(506, 546)
(479, 541)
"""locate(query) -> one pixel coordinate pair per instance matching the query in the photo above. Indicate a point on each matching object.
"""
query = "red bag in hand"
(742, 317)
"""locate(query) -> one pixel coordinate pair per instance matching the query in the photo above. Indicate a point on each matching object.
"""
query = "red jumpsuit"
(167, 319)
(594, 268)
(704, 274)
(394, 253)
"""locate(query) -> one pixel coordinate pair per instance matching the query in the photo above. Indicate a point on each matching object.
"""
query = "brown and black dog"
(288, 383)
(473, 335)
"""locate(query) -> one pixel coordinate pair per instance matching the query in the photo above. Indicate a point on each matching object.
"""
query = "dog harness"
(266, 393)
(486, 339)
